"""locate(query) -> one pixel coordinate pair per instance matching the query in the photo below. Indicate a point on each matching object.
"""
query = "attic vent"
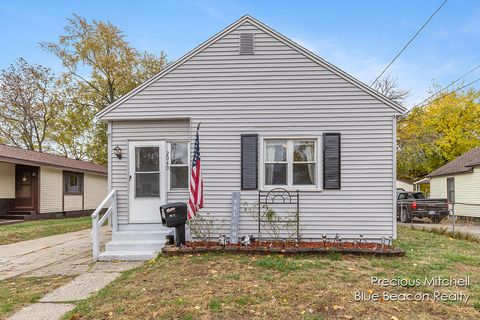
(246, 43)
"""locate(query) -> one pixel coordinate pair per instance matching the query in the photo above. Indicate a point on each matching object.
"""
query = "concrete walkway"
(65, 254)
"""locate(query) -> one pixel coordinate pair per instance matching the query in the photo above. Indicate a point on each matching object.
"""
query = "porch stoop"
(135, 245)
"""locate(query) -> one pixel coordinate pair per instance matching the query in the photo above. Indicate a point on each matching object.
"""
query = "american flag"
(196, 181)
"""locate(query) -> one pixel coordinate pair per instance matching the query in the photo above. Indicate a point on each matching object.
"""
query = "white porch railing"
(97, 222)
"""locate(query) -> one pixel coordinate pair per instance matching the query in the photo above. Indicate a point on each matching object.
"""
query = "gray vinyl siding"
(276, 92)
(125, 131)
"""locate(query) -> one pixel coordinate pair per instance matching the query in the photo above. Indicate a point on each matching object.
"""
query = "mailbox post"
(174, 215)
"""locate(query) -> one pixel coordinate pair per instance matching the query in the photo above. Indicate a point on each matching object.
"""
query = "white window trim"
(290, 186)
(169, 148)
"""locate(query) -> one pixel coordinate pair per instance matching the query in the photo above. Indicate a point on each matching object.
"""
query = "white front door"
(147, 180)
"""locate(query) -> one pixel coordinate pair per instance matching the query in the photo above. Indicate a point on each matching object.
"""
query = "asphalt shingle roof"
(13, 154)
(463, 163)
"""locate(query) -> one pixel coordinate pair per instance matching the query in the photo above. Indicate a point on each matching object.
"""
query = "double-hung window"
(290, 163)
(179, 165)
(72, 182)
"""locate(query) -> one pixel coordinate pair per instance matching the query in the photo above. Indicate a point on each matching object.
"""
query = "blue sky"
(359, 36)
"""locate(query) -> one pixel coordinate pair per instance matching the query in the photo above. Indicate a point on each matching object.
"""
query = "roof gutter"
(40, 164)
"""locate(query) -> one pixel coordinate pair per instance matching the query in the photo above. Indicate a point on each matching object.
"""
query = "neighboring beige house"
(458, 180)
(404, 184)
(36, 185)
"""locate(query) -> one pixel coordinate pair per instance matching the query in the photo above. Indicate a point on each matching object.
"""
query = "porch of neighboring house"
(19, 191)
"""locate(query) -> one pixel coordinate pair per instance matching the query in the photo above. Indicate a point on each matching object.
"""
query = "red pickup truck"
(414, 205)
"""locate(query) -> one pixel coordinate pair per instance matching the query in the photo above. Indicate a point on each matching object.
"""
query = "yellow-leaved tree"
(434, 134)
(101, 67)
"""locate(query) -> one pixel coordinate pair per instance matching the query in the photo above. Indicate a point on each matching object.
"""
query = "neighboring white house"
(272, 114)
(458, 180)
(404, 184)
(36, 185)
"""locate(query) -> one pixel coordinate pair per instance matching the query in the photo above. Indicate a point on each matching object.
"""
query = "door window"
(147, 172)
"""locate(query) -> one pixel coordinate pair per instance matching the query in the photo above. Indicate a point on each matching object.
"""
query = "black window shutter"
(249, 155)
(331, 160)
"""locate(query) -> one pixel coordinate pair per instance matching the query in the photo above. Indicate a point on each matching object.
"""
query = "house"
(458, 180)
(404, 184)
(272, 114)
(36, 185)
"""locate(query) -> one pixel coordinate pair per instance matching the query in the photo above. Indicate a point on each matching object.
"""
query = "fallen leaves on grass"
(279, 287)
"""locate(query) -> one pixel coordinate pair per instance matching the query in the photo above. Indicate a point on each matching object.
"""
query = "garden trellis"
(278, 196)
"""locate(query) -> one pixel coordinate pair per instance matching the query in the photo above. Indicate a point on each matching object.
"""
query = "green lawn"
(223, 286)
(18, 292)
(41, 228)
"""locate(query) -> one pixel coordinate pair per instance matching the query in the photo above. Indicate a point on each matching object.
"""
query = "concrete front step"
(145, 245)
(127, 256)
(139, 244)
(138, 236)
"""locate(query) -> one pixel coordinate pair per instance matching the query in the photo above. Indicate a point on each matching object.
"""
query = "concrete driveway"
(63, 254)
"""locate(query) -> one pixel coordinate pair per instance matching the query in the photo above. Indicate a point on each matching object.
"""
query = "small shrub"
(203, 227)
(275, 225)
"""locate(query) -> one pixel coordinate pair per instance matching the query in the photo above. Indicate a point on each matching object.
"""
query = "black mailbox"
(174, 215)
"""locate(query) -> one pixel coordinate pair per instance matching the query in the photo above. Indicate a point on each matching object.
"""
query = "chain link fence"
(465, 217)
(462, 222)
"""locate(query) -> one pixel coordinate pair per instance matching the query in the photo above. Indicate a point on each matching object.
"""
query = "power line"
(408, 43)
(449, 85)
(446, 95)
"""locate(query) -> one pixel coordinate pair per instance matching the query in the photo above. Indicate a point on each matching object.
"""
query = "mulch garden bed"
(268, 247)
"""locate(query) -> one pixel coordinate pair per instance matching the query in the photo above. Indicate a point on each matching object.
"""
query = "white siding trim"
(394, 176)
(109, 155)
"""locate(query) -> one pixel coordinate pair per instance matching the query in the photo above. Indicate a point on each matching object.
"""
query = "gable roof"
(28, 157)
(461, 164)
(334, 69)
